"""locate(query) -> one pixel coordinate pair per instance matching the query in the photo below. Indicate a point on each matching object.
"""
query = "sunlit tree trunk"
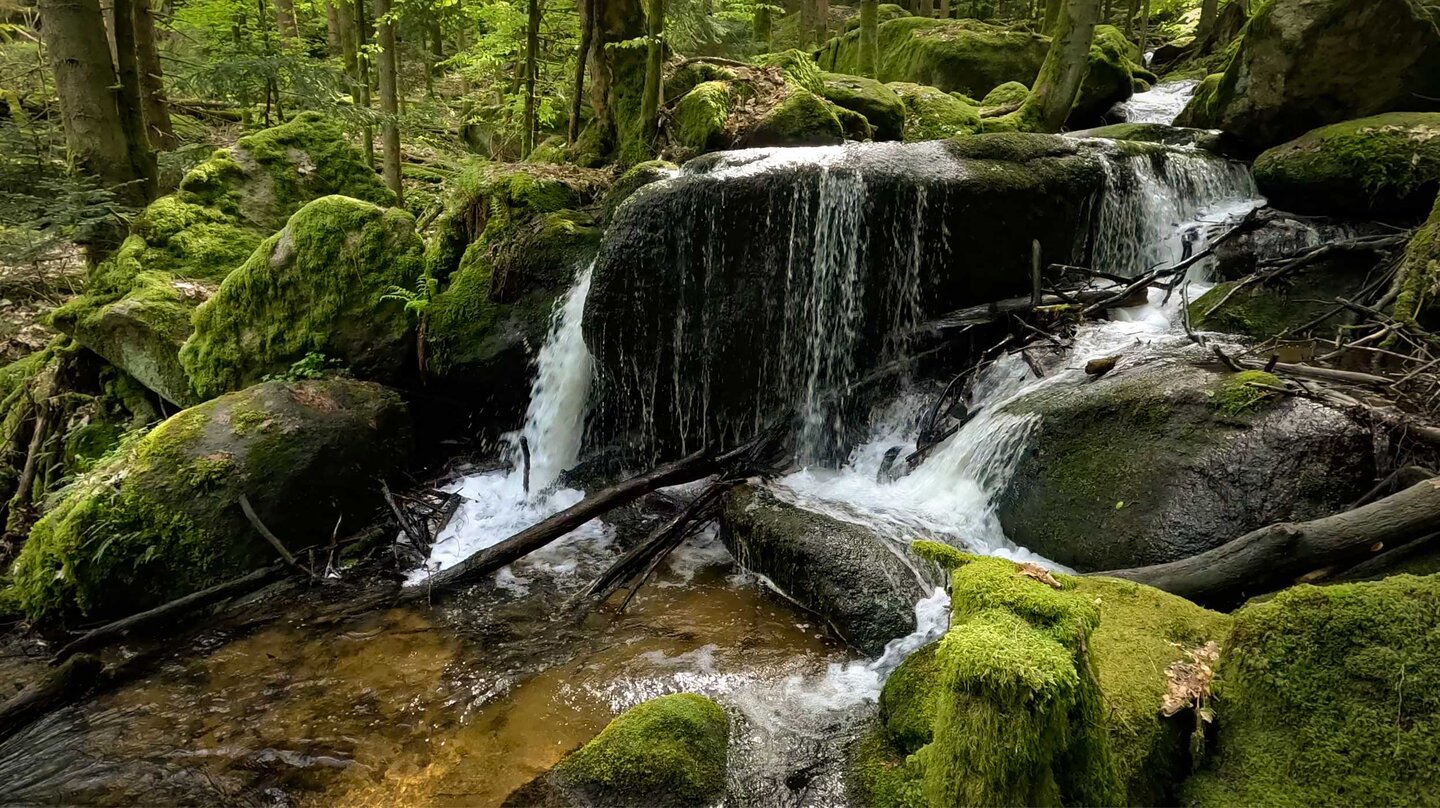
(532, 64)
(132, 110)
(1208, 11)
(1066, 63)
(285, 19)
(158, 127)
(1144, 25)
(654, 65)
(869, 37)
(332, 29)
(617, 78)
(362, 80)
(587, 35)
(389, 106)
(943, 9)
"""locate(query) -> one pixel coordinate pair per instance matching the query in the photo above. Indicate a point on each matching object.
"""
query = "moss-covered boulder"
(972, 58)
(1418, 283)
(163, 519)
(802, 118)
(635, 178)
(1009, 94)
(1382, 166)
(777, 102)
(880, 105)
(669, 751)
(845, 573)
(1327, 695)
(319, 286)
(1306, 63)
(1214, 142)
(1041, 693)
(137, 306)
(1159, 460)
(698, 120)
(934, 115)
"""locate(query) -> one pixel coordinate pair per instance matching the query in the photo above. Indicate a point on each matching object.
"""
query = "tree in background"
(387, 55)
(654, 67)
(1063, 71)
(869, 37)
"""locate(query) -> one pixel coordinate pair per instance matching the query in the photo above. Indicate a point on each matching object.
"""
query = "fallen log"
(696, 466)
(1000, 309)
(56, 688)
(1276, 556)
(1321, 374)
(167, 614)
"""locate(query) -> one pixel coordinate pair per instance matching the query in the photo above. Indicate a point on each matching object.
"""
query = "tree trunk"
(763, 27)
(943, 9)
(1052, 16)
(587, 34)
(1209, 9)
(1132, 12)
(362, 80)
(617, 79)
(152, 85)
(74, 34)
(1144, 27)
(1274, 557)
(285, 19)
(654, 66)
(389, 107)
(532, 54)
(349, 36)
(332, 29)
(131, 108)
(1049, 103)
(869, 38)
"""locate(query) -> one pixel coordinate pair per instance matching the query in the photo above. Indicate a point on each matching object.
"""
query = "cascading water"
(1159, 104)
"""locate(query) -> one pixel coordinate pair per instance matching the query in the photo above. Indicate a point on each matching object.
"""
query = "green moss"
(670, 750)
(798, 67)
(687, 76)
(316, 286)
(933, 115)
(1236, 395)
(1386, 165)
(1330, 695)
(1419, 276)
(698, 119)
(941, 555)
(880, 105)
(801, 119)
(1038, 696)
(1011, 93)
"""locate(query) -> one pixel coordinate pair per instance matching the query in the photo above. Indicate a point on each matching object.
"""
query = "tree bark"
(869, 38)
(285, 19)
(73, 32)
(1275, 556)
(762, 26)
(332, 29)
(362, 80)
(532, 54)
(1066, 64)
(349, 36)
(132, 110)
(389, 107)
(617, 78)
(1052, 16)
(1144, 27)
(152, 85)
(1208, 11)
(654, 66)
(587, 34)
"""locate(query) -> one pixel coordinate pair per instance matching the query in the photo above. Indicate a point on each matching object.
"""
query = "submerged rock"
(1306, 63)
(319, 286)
(137, 306)
(670, 751)
(162, 519)
(1160, 459)
(1041, 693)
(1325, 697)
(1383, 166)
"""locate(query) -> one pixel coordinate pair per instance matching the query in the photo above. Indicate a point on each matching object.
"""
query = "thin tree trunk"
(532, 54)
(362, 79)
(943, 9)
(587, 35)
(1132, 12)
(654, 65)
(1144, 27)
(152, 84)
(285, 19)
(132, 110)
(389, 107)
(349, 34)
(1209, 9)
(1066, 64)
(763, 27)
(332, 29)
(869, 38)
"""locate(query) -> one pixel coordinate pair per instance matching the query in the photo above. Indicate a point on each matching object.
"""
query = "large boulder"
(163, 518)
(862, 587)
(1044, 691)
(1325, 698)
(879, 104)
(1160, 459)
(509, 243)
(1383, 166)
(1306, 63)
(669, 751)
(320, 286)
(972, 58)
(137, 306)
(931, 114)
(780, 101)
(709, 285)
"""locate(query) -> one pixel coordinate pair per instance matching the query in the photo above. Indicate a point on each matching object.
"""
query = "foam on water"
(1162, 103)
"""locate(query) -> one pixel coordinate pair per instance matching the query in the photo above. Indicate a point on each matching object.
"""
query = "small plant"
(312, 365)
(416, 300)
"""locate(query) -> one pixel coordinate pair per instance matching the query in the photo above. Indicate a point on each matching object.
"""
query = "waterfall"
(1162, 103)
(496, 505)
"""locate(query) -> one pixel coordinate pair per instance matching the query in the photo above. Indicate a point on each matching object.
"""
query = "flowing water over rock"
(1159, 104)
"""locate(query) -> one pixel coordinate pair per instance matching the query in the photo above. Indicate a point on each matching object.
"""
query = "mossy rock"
(1153, 462)
(1011, 93)
(698, 120)
(880, 105)
(1214, 142)
(162, 519)
(1302, 64)
(799, 67)
(694, 73)
(1386, 166)
(1115, 63)
(635, 178)
(1328, 695)
(669, 751)
(885, 12)
(934, 115)
(802, 118)
(319, 286)
(1037, 696)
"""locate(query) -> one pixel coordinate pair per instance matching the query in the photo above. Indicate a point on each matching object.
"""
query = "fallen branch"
(1275, 556)
(271, 537)
(1000, 309)
(168, 613)
(1323, 374)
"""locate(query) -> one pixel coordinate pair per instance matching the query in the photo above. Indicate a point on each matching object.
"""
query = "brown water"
(456, 705)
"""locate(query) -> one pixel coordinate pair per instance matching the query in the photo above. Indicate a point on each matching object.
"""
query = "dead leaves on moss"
(1189, 679)
(1038, 573)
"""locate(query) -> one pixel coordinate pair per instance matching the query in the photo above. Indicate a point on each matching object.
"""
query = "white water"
(1162, 103)
(496, 505)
